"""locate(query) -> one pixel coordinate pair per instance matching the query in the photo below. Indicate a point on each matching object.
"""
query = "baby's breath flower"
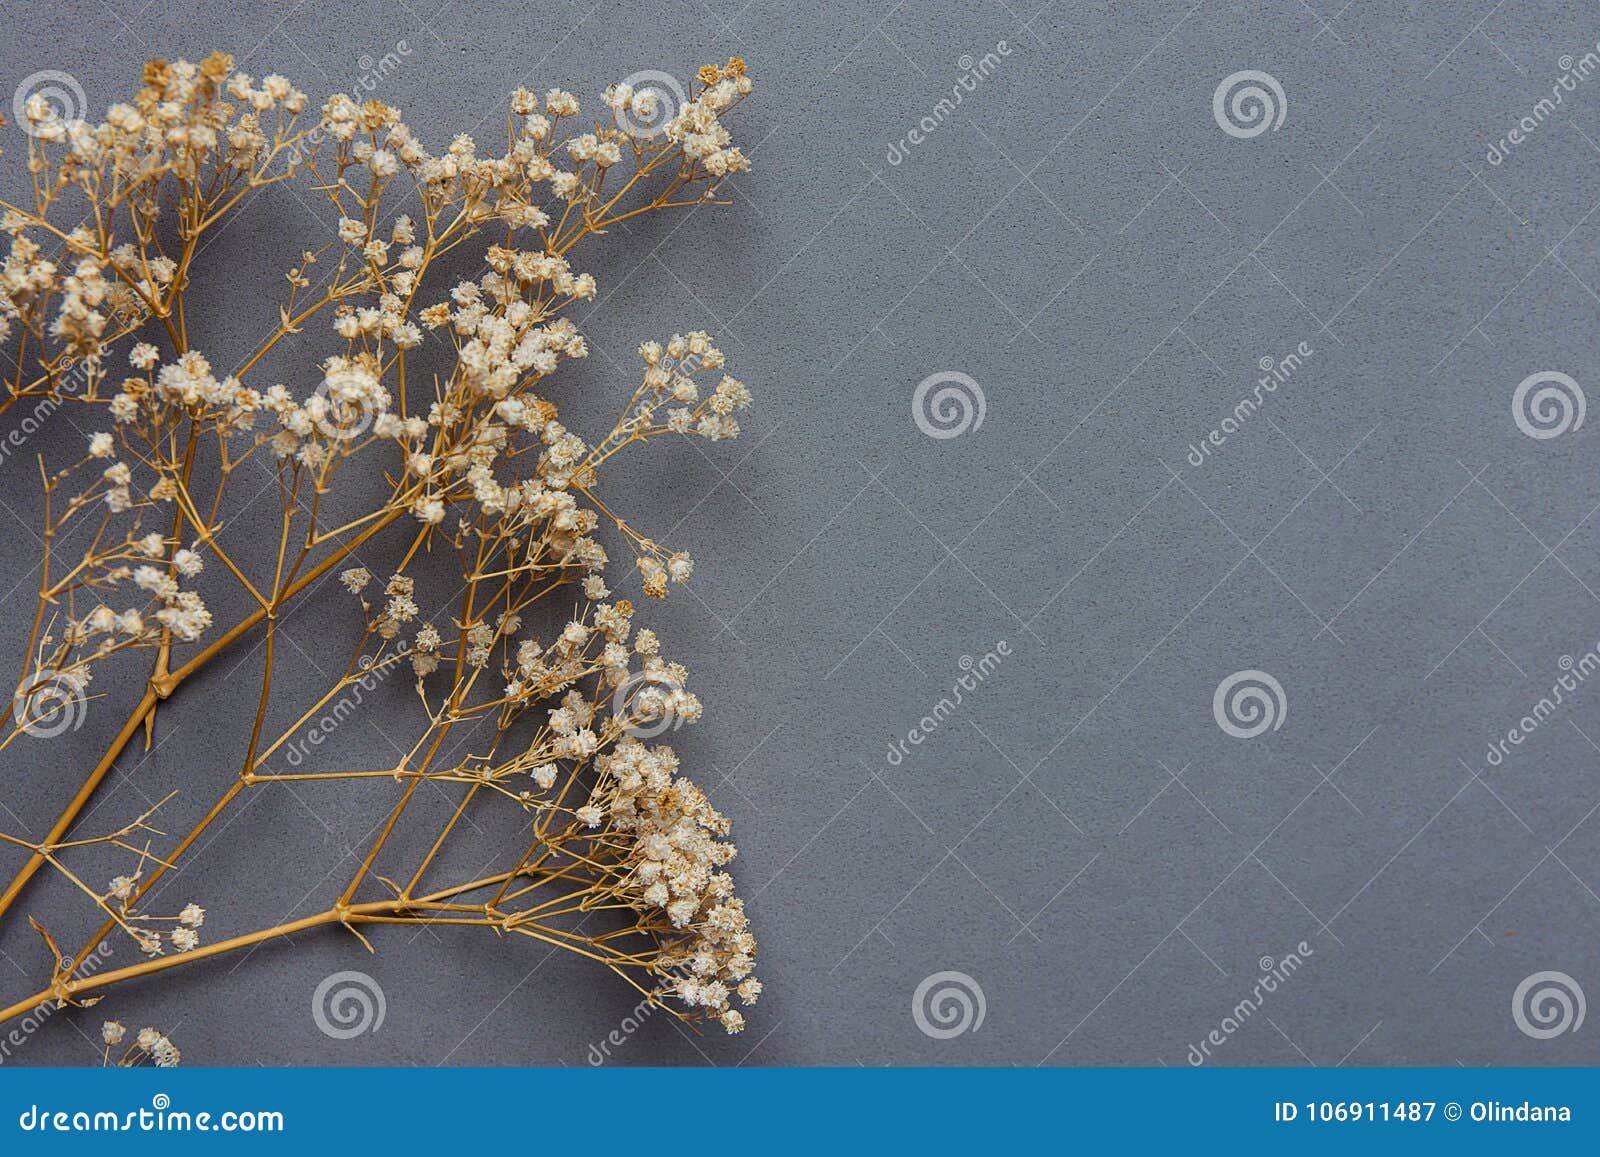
(469, 444)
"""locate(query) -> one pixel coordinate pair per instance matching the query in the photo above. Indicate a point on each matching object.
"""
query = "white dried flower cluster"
(186, 120)
(153, 567)
(651, 832)
(473, 460)
(349, 400)
(148, 1044)
(670, 388)
(698, 126)
(673, 866)
(158, 1047)
(119, 899)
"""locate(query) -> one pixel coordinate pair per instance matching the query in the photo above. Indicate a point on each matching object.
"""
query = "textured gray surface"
(1082, 239)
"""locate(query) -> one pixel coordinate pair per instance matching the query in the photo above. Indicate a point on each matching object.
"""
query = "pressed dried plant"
(617, 856)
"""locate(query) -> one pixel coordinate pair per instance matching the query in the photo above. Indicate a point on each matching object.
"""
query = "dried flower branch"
(471, 463)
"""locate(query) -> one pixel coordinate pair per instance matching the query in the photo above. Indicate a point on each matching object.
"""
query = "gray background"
(1081, 237)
